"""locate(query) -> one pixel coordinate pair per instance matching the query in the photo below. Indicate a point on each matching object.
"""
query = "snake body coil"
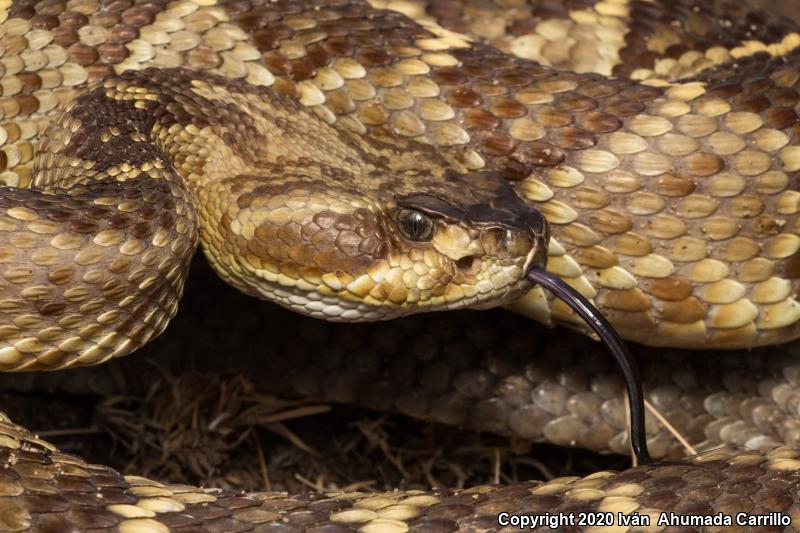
(345, 161)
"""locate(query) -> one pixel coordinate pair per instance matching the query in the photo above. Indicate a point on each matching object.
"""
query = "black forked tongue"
(592, 316)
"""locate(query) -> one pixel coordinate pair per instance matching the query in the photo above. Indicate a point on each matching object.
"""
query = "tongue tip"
(612, 340)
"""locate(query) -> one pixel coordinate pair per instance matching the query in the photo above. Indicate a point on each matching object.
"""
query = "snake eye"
(415, 225)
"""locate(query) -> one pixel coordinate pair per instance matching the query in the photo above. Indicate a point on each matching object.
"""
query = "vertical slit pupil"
(416, 224)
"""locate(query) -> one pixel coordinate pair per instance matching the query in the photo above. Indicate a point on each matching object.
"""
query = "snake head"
(329, 249)
(482, 232)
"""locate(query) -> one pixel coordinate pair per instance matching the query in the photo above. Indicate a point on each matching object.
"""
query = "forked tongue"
(592, 316)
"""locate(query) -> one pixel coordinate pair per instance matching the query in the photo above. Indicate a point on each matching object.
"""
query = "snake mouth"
(609, 336)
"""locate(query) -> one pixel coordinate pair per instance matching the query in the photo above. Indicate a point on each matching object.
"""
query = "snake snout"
(524, 231)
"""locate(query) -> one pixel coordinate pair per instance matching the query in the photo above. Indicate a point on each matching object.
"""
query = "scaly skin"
(617, 167)
(670, 204)
(490, 371)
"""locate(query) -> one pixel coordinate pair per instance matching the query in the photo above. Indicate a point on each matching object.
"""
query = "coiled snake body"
(343, 160)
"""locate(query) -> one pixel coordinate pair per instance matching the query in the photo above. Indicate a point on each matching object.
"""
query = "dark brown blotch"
(28, 104)
(106, 19)
(571, 138)
(784, 96)
(675, 186)
(753, 103)
(141, 230)
(83, 227)
(725, 90)
(252, 21)
(339, 47)
(277, 64)
(44, 22)
(544, 154)
(166, 220)
(373, 57)
(44, 503)
(598, 122)
(508, 108)
(72, 20)
(476, 70)
(480, 119)
(621, 107)
(270, 38)
(575, 102)
(682, 312)
(112, 53)
(463, 97)
(448, 77)
(514, 79)
(50, 308)
(147, 211)
(318, 56)
(513, 168)
(123, 33)
(203, 58)
(302, 69)
(780, 117)
(82, 54)
(673, 288)
(496, 144)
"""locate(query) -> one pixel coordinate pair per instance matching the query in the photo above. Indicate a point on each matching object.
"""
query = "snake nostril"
(465, 263)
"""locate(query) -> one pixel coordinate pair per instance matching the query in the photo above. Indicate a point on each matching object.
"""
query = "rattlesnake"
(347, 162)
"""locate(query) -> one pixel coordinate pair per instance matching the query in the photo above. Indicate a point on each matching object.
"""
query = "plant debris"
(215, 429)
